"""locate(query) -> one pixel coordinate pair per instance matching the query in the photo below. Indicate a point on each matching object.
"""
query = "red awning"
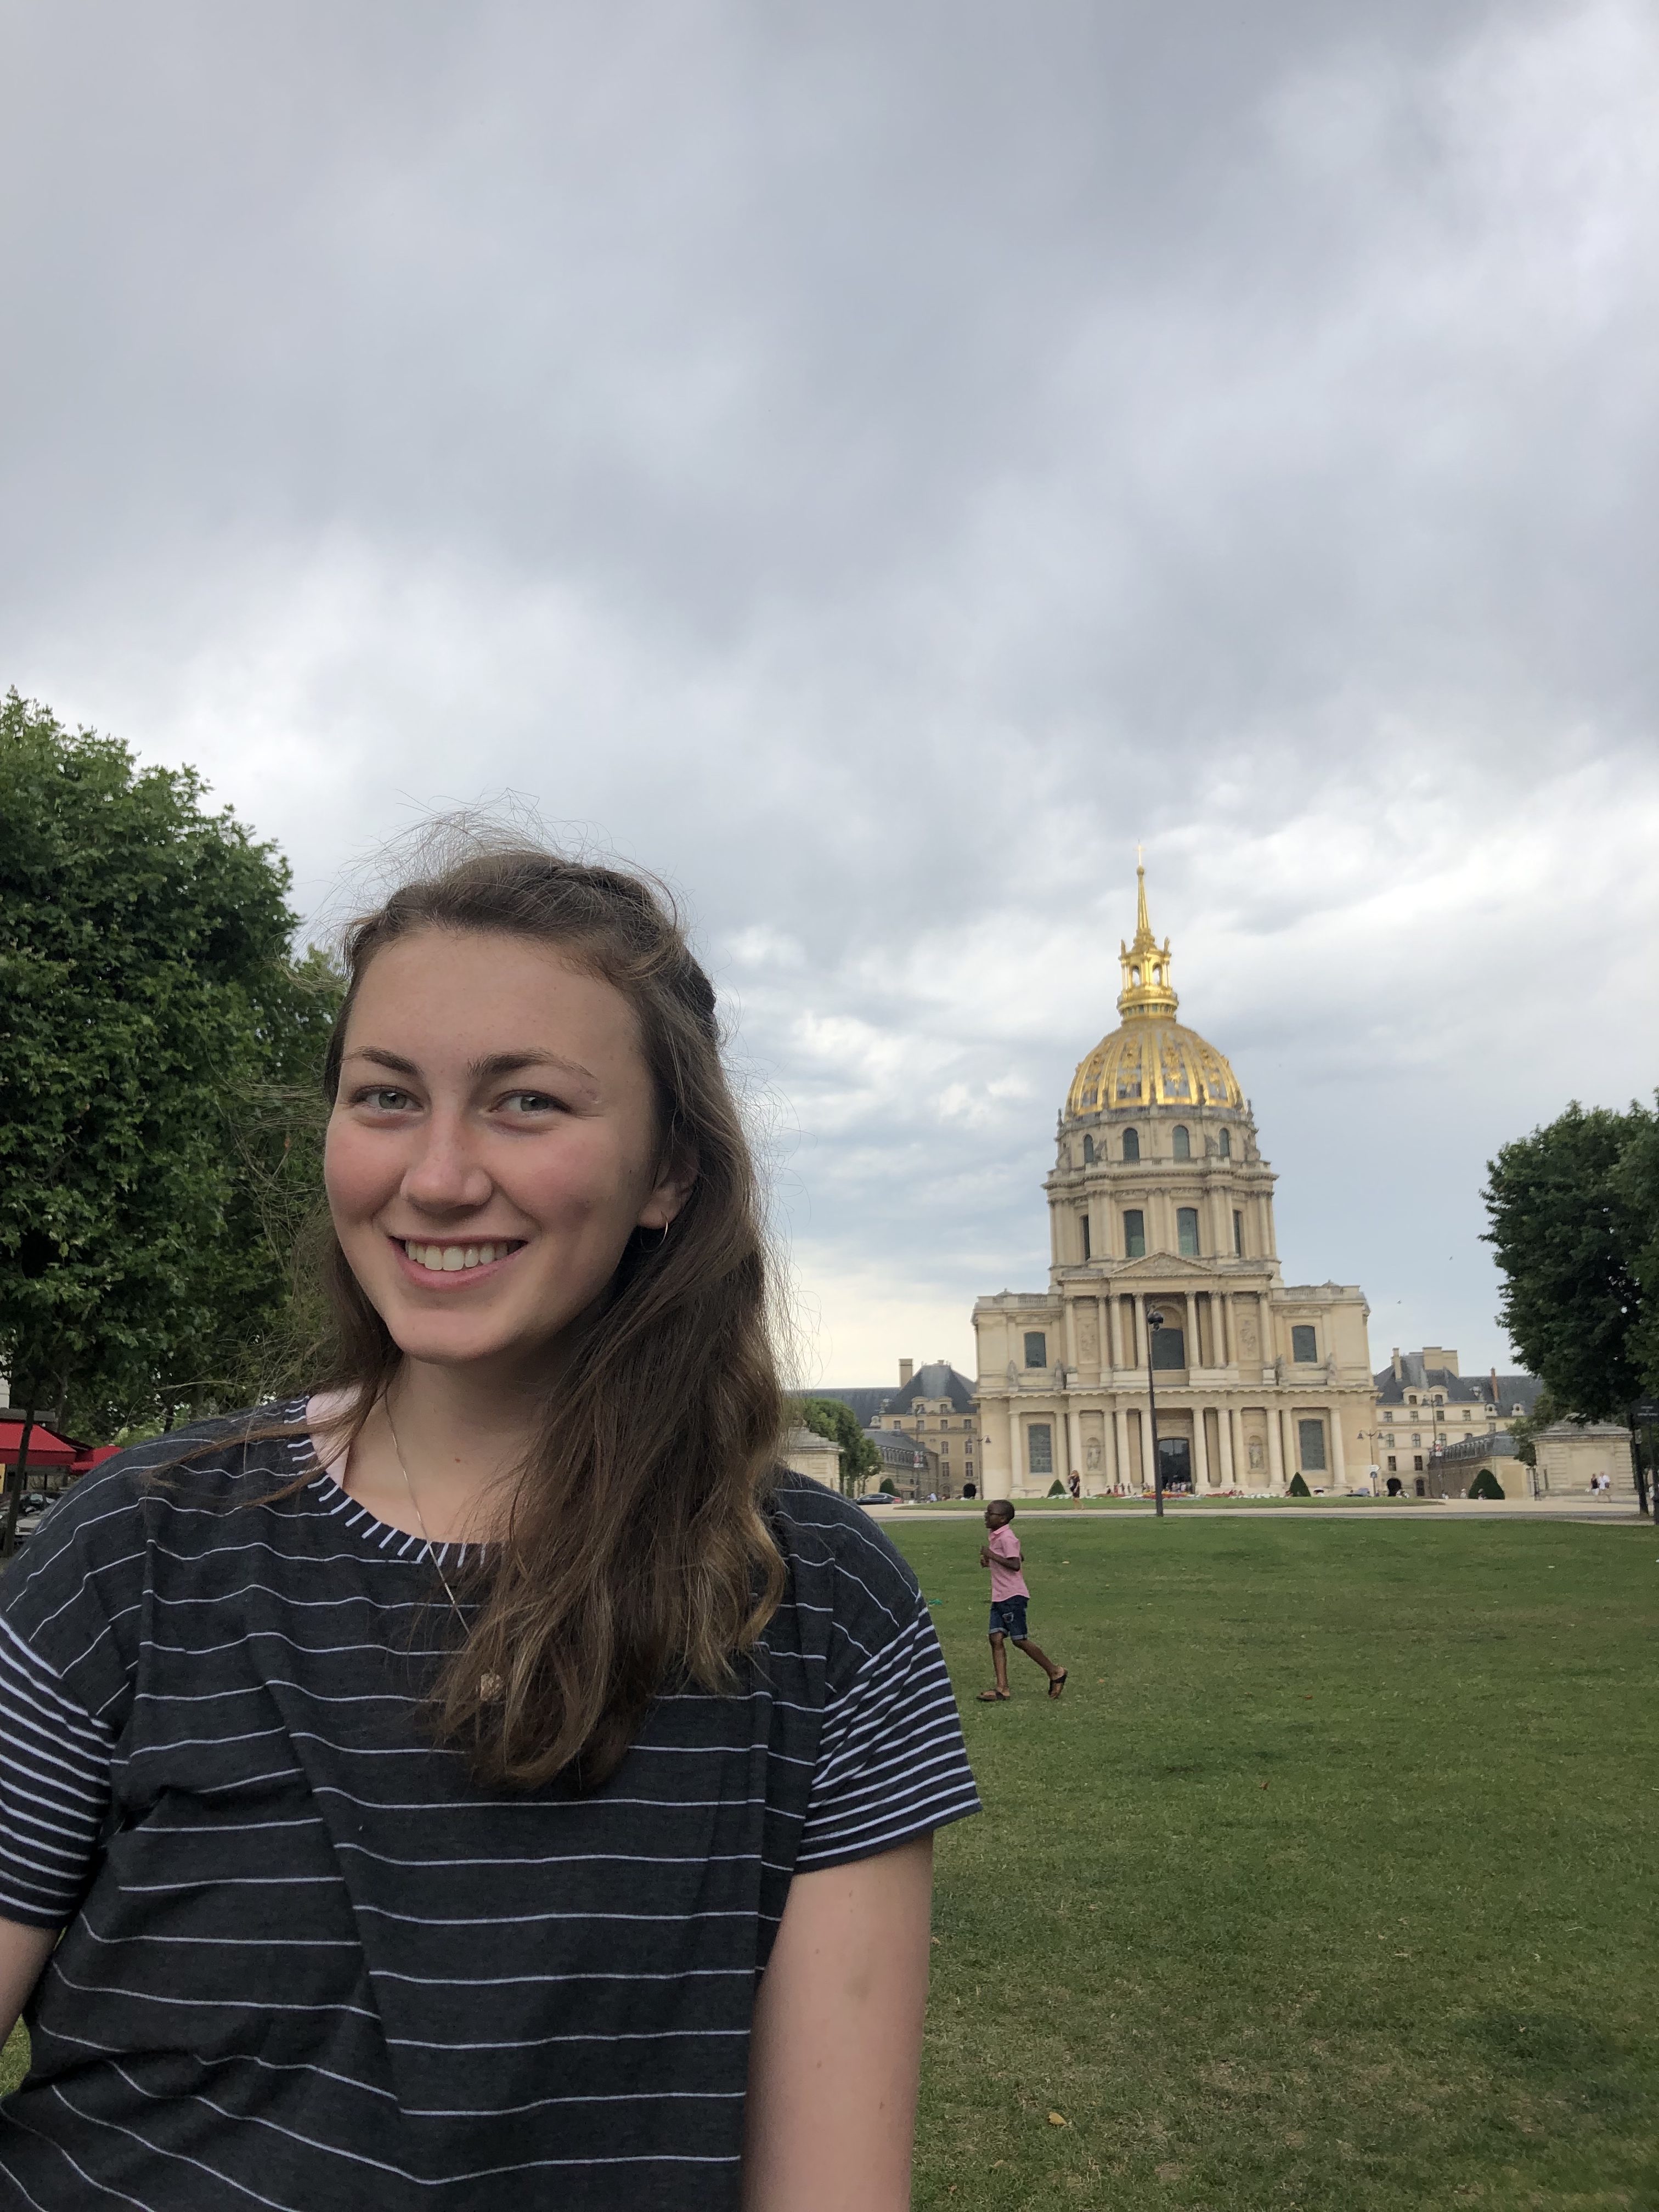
(87, 1456)
(45, 1449)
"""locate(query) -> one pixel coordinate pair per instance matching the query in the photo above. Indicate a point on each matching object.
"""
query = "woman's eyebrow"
(510, 1063)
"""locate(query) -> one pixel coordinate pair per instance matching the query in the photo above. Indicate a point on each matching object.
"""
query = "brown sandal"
(1056, 1683)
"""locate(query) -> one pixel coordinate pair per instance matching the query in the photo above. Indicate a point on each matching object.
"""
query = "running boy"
(1001, 1553)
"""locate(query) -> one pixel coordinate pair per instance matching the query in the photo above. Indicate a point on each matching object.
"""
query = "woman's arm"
(837, 2039)
(23, 1953)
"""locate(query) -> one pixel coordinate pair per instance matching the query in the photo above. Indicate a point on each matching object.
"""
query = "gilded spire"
(1147, 990)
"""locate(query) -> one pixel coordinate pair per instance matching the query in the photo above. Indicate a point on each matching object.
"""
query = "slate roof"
(1513, 1390)
(938, 1379)
(907, 1455)
(866, 1403)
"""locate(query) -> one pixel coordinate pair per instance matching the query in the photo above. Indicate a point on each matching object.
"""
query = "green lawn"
(1330, 1883)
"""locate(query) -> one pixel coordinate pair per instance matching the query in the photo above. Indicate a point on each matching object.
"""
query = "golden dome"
(1152, 1060)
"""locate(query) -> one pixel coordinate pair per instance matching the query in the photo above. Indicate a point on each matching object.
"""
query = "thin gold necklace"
(490, 1685)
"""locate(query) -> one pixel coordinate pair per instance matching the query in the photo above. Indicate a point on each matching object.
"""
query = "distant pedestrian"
(1001, 1553)
(1075, 1485)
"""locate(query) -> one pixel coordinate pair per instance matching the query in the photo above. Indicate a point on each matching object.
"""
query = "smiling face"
(493, 1146)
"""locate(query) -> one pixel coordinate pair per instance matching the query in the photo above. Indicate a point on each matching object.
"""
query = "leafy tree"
(1574, 1209)
(834, 1418)
(153, 1036)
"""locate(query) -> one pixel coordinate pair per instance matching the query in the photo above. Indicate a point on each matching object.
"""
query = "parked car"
(879, 1497)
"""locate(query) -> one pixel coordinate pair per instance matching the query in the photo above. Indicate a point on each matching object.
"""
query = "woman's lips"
(453, 1263)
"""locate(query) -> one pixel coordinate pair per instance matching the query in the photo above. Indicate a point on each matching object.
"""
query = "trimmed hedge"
(1298, 1488)
(1486, 1485)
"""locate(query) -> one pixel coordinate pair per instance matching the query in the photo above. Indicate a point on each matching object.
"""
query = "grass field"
(1416, 1969)
(1330, 1883)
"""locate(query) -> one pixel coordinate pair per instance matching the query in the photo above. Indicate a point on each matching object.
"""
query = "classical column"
(1015, 1470)
(1070, 1326)
(1200, 1453)
(1194, 1344)
(1291, 1466)
(1338, 1463)
(1103, 1336)
(1121, 1427)
(1275, 1456)
(1226, 1348)
(1224, 1439)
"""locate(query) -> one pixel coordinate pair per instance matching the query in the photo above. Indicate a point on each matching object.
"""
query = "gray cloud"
(875, 467)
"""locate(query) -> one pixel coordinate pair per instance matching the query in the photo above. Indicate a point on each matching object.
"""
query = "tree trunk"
(20, 1476)
(1643, 1502)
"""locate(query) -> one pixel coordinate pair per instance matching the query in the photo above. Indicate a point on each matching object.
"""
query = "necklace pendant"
(491, 1688)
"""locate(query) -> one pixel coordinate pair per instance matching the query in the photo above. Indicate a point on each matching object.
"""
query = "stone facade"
(1160, 1202)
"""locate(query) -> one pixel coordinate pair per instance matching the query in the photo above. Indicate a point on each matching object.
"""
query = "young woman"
(488, 1781)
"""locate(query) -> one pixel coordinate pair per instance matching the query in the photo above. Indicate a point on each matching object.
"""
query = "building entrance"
(1175, 1462)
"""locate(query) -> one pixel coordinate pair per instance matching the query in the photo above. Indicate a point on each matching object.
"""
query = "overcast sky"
(873, 463)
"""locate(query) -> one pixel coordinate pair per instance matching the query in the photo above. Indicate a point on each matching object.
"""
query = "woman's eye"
(530, 1101)
(384, 1100)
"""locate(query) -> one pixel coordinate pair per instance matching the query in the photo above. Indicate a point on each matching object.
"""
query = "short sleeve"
(892, 1761)
(54, 1789)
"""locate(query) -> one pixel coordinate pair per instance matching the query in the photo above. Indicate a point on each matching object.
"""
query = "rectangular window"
(1187, 1231)
(1169, 1347)
(1418, 1464)
(1134, 1236)
(1040, 1447)
(1304, 1347)
(1238, 1235)
(1391, 1465)
(1311, 1436)
(1036, 1348)
(1087, 1253)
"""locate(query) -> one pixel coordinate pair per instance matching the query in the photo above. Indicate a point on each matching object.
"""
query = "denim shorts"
(1008, 1618)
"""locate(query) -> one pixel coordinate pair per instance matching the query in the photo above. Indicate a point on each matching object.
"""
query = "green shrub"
(1057, 1488)
(887, 1485)
(1486, 1485)
(1298, 1488)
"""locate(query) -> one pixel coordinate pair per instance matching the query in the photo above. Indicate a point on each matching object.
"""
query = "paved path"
(1426, 1510)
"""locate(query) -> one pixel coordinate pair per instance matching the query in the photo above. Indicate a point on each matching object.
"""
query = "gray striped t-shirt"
(309, 1962)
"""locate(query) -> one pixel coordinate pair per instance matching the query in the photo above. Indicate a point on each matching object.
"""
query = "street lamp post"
(1154, 1323)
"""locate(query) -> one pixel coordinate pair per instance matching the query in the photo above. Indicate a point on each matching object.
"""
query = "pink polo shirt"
(1006, 1581)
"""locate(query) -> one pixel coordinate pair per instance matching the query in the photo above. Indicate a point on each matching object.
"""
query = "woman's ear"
(673, 1187)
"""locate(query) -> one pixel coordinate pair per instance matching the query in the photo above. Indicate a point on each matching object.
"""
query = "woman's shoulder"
(209, 1463)
(836, 1555)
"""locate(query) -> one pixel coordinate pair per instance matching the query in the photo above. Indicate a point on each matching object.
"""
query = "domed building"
(1161, 1204)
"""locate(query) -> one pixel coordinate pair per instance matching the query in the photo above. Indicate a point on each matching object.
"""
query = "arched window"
(1088, 1151)
(1131, 1144)
(1226, 1143)
(1183, 1143)
(1134, 976)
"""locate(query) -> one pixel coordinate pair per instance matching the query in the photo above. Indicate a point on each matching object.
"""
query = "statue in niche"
(1247, 1342)
(1257, 1460)
(1092, 1456)
(1088, 1340)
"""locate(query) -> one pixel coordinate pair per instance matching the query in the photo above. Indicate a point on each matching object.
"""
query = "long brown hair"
(635, 1540)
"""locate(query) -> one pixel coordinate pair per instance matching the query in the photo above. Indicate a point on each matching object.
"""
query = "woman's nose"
(445, 1176)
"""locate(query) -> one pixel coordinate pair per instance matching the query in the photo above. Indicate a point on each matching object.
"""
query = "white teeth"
(454, 1259)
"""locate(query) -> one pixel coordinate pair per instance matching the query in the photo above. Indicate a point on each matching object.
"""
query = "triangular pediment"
(1165, 1268)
